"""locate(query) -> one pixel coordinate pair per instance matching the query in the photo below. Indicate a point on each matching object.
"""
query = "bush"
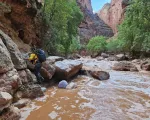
(112, 46)
(97, 44)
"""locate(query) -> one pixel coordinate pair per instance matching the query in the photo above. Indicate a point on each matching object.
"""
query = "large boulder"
(26, 76)
(47, 70)
(11, 113)
(28, 91)
(15, 54)
(9, 81)
(124, 66)
(100, 75)
(145, 66)
(5, 100)
(22, 103)
(5, 62)
(66, 69)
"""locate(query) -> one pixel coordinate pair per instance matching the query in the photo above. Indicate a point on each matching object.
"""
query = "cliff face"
(113, 14)
(19, 19)
(92, 25)
(86, 4)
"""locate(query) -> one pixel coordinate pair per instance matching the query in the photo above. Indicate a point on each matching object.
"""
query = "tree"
(134, 32)
(97, 44)
(62, 18)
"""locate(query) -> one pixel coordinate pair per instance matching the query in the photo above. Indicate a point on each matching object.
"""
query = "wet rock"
(11, 113)
(100, 75)
(63, 84)
(29, 90)
(5, 100)
(124, 66)
(43, 89)
(112, 58)
(71, 85)
(23, 76)
(52, 59)
(104, 55)
(15, 54)
(66, 69)
(9, 81)
(47, 70)
(30, 76)
(145, 66)
(121, 57)
(22, 103)
(5, 62)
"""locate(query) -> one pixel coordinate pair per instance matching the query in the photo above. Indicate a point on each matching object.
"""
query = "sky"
(98, 4)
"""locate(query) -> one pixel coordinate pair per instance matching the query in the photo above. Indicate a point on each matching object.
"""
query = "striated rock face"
(113, 14)
(14, 51)
(20, 20)
(92, 25)
(86, 4)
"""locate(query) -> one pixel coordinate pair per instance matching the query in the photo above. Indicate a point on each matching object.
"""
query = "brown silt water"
(125, 96)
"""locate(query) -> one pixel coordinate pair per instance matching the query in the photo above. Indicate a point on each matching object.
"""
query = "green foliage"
(112, 46)
(62, 18)
(97, 44)
(75, 46)
(134, 32)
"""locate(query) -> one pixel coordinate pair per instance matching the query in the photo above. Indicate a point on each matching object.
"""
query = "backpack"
(41, 55)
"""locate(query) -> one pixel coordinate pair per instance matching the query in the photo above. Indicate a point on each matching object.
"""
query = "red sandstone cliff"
(113, 13)
(91, 25)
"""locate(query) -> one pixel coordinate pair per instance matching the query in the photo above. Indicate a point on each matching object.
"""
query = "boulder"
(28, 91)
(104, 55)
(121, 57)
(30, 76)
(5, 62)
(15, 54)
(5, 100)
(145, 66)
(100, 75)
(47, 70)
(22, 103)
(124, 66)
(11, 113)
(26, 76)
(23, 76)
(10, 81)
(66, 69)
(63, 84)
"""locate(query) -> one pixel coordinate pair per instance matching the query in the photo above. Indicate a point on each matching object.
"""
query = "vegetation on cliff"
(61, 19)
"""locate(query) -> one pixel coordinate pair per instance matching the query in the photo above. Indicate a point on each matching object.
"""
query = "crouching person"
(37, 57)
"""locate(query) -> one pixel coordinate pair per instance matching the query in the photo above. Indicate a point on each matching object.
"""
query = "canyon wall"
(113, 13)
(92, 25)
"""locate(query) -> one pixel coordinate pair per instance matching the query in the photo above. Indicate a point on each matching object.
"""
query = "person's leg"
(37, 69)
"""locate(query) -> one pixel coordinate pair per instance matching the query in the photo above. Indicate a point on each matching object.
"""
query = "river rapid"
(125, 96)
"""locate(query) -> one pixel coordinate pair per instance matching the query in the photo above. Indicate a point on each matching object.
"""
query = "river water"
(125, 96)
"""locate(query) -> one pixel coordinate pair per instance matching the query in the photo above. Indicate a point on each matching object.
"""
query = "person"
(37, 57)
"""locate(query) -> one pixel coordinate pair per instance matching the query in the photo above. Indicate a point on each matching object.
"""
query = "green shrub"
(112, 46)
(97, 44)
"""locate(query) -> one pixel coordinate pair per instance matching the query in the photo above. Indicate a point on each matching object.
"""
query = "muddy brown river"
(125, 96)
